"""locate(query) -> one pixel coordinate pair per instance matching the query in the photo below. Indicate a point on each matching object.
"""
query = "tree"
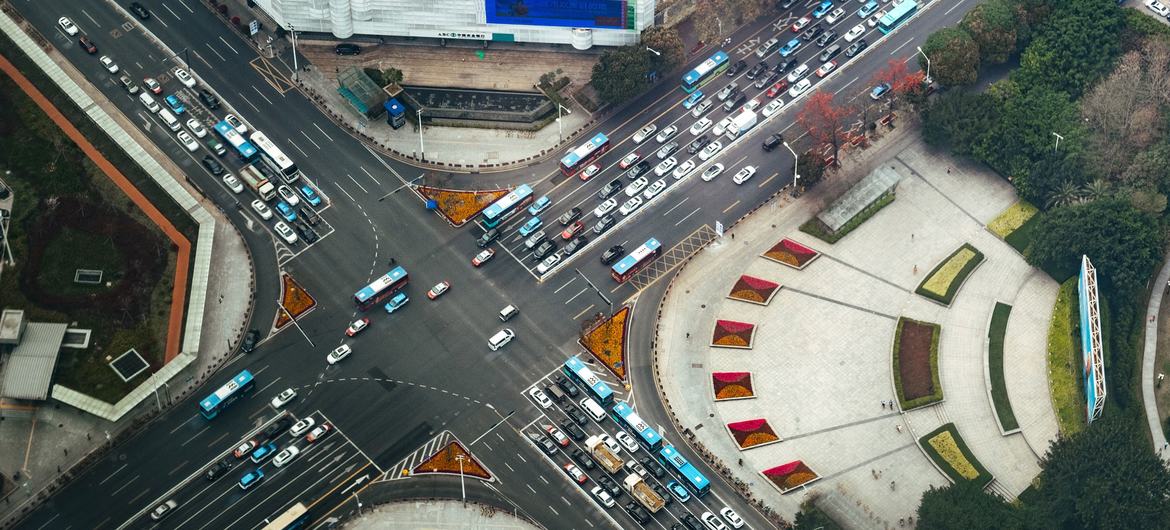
(1054, 170)
(811, 168)
(621, 73)
(1148, 200)
(1150, 168)
(1024, 133)
(965, 505)
(824, 122)
(1073, 47)
(958, 120)
(954, 57)
(712, 18)
(993, 24)
(1123, 110)
(664, 40)
(1067, 194)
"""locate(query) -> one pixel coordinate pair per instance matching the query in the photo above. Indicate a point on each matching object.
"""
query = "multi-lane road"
(426, 368)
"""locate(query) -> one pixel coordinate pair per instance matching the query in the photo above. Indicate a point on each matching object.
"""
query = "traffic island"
(950, 454)
(459, 206)
(732, 334)
(943, 283)
(605, 339)
(753, 290)
(294, 299)
(916, 363)
(750, 434)
(453, 460)
(788, 477)
(730, 386)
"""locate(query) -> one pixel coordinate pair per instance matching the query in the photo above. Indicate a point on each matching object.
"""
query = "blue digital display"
(606, 14)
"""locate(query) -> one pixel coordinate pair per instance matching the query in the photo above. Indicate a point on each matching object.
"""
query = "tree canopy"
(963, 506)
(957, 120)
(1073, 47)
(954, 57)
(621, 73)
(665, 41)
(1029, 126)
(993, 25)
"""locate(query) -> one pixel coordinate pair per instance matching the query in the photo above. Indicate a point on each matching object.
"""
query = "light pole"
(586, 278)
(560, 128)
(422, 148)
(295, 323)
(927, 79)
(652, 50)
(795, 159)
(1058, 139)
(293, 32)
(461, 487)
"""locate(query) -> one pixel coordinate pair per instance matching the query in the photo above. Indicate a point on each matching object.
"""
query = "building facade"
(580, 23)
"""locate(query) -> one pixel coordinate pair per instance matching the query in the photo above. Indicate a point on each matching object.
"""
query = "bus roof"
(638, 254)
(711, 63)
(507, 201)
(897, 12)
(645, 431)
(226, 390)
(585, 150)
(680, 463)
(381, 283)
(237, 140)
(599, 387)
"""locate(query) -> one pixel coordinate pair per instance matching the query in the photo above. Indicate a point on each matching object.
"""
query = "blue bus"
(698, 77)
(580, 157)
(507, 205)
(241, 384)
(579, 373)
(636, 260)
(246, 150)
(382, 287)
(630, 420)
(897, 15)
(684, 471)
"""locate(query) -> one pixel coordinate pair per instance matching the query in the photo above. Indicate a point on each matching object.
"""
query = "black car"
(826, 38)
(544, 443)
(764, 81)
(572, 429)
(609, 189)
(733, 103)
(487, 238)
(309, 215)
(652, 467)
(698, 144)
(612, 254)
(661, 491)
(583, 459)
(692, 522)
(575, 413)
(773, 141)
(856, 48)
(638, 512)
(610, 486)
(219, 469)
(208, 98)
(605, 223)
(212, 165)
(251, 339)
(575, 245)
(757, 69)
(736, 68)
(142, 13)
(782, 66)
(641, 168)
(278, 427)
(569, 216)
(566, 385)
(813, 32)
(543, 250)
(307, 234)
(87, 45)
(346, 48)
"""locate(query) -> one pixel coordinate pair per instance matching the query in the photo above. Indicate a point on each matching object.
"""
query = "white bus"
(274, 156)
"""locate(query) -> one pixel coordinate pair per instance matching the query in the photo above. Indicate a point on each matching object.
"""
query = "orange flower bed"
(791, 253)
(607, 342)
(752, 433)
(447, 460)
(732, 334)
(732, 385)
(790, 476)
(460, 206)
(754, 290)
(296, 299)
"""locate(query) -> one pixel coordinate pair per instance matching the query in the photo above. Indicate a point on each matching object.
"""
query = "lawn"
(818, 229)
(915, 360)
(943, 283)
(1016, 225)
(1064, 362)
(999, 395)
(76, 249)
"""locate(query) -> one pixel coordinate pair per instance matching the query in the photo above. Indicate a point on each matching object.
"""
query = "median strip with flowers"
(460, 206)
(754, 290)
(453, 460)
(606, 340)
(752, 433)
(732, 385)
(732, 334)
(791, 253)
(790, 476)
(295, 299)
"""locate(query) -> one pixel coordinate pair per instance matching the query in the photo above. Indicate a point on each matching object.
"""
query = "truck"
(602, 454)
(741, 124)
(640, 491)
(255, 180)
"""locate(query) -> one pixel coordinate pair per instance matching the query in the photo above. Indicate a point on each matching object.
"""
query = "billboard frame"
(1092, 356)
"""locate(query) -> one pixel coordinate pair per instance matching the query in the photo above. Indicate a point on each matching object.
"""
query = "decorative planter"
(730, 386)
(752, 433)
(606, 341)
(754, 290)
(790, 253)
(732, 334)
(790, 476)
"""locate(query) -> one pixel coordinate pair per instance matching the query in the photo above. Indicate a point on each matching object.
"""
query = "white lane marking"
(680, 203)
(225, 43)
(345, 192)
(323, 132)
(579, 293)
(262, 95)
(846, 85)
(310, 139)
(566, 284)
(680, 221)
(908, 41)
(187, 6)
(355, 182)
(289, 140)
(248, 101)
(90, 18)
(177, 17)
(216, 52)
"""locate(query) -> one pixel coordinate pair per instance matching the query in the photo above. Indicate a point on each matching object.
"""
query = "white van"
(169, 119)
(148, 101)
(501, 338)
(593, 409)
(507, 313)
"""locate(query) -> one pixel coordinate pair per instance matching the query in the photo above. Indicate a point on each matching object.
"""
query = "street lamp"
(293, 32)
(561, 128)
(927, 79)
(1058, 139)
(461, 487)
(422, 149)
(652, 50)
(603, 297)
(795, 159)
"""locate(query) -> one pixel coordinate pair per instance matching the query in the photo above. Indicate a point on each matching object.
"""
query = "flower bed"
(295, 299)
(607, 342)
(754, 290)
(732, 385)
(732, 334)
(916, 363)
(790, 253)
(948, 451)
(790, 476)
(944, 281)
(460, 206)
(752, 433)
(447, 461)
(1011, 219)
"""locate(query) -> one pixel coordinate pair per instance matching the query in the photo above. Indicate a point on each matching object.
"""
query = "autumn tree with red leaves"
(825, 122)
(902, 81)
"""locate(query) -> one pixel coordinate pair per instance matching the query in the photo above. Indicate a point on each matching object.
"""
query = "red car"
(245, 449)
(629, 160)
(557, 436)
(357, 326)
(438, 290)
(575, 473)
(87, 45)
(572, 230)
(777, 88)
(800, 24)
(483, 257)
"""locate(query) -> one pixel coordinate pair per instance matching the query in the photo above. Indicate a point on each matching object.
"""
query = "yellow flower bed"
(946, 447)
(459, 206)
(295, 298)
(1011, 219)
(941, 280)
(607, 342)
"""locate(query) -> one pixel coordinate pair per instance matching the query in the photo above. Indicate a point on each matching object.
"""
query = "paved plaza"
(821, 355)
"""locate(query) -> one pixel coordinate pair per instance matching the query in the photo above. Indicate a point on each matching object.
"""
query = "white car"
(301, 427)
(593, 169)
(338, 353)
(744, 174)
(721, 127)
(857, 31)
(234, 184)
(286, 456)
(665, 166)
(732, 518)
(283, 398)
(700, 126)
(797, 73)
(186, 79)
(645, 133)
(711, 150)
(611, 444)
(726, 91)
(873, 21)
(636, 186)
(261, 209)
(799, 88)
(67, 25)
(605, 207)
(548, 263)
(288, 195)
(826, 69)
(666, 134)
(540, 398)
(287, 234)
(836, 15)
(684, 169)
(752, 104)
(655, 188)
(187, 141)
(108, 64)
(701, 108)
(627, 441)
(710, 173)
(773, 107)
(602, 496)
(1157, 8)
(629, 206)
(196, 128)
(236, 122)
(712, 521)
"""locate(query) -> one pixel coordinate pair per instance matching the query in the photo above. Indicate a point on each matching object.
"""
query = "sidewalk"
(1149, 356)
(436, 515)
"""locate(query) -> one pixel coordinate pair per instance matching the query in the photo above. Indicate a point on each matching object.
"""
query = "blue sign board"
(601, 14)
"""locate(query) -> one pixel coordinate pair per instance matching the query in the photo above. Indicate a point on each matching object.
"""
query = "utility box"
(395, 113)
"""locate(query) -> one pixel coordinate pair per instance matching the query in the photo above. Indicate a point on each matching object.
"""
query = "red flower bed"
(607, 342)
(732, 385)
(295, 298)
(752, 433)
(448, 461)
(732, 334)
(791, 253)
(790, 476)
(754, 290)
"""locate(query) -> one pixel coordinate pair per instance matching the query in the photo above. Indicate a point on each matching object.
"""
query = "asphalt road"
(424, 369)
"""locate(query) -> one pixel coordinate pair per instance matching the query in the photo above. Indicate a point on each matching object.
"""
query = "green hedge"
(999, 396)
(1021, 238)
(935, 381)
(956, 281)
(1064, 362)
(984, 478)
(816, 228)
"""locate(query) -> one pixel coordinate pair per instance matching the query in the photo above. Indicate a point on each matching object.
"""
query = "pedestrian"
(733, 237)
(916, 269)
(688, 335)
(891, 485)
(899, 427)
(883, 404)
(912, 236)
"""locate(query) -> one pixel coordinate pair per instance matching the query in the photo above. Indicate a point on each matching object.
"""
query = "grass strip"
(999, 395)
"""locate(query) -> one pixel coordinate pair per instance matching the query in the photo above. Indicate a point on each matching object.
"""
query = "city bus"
(295, 517)
(636, 260)
(381, 288)
(684, 471)
(273, 155)
(580, 157)
(580, 374)
(241, 384)
(629, 420)
(897, 15)
(698, 77)
(507, 205)
(246, 150)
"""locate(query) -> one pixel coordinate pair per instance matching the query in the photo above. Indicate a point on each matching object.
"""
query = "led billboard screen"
(601, 14)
